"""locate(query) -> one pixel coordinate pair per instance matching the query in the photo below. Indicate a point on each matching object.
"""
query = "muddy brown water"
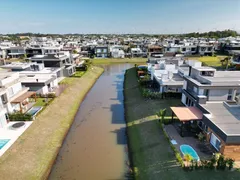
(95, 147)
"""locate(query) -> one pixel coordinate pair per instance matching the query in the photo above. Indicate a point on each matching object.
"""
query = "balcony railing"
(192, 93)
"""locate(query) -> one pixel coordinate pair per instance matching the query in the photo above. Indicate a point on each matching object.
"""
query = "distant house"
(189, 49)
(155, 50)
(32, 51)
(3, 53)
(136, 52)
(102, 52)
(36, 77)
(232, 46)
(205, 49)
(117, 51)
(15, 52)
(60, 60)
(51, 50)
(236, 57)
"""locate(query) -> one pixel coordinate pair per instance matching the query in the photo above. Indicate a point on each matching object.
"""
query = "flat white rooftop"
(36, 79)
(43, 71)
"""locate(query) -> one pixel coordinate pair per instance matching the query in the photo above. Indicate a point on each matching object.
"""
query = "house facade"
(60, 60)
(14, 96)
(16, 52)
(216, 94)
(205, 49)
(102, 52)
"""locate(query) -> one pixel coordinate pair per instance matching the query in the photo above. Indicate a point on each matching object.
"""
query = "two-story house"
(188, 49)
(102, 52)
(205, 49)
(216, 94)
(154, 50)
(36, 77)
(61, 60)
(14, 96)
(167, 73)
(136, 52)
(34, 50)
(16, 52)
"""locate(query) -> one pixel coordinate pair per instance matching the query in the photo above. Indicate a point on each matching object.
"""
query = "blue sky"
(118, 16)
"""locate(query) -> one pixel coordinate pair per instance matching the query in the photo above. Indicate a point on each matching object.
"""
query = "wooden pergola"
(23, 97)
(186, 114)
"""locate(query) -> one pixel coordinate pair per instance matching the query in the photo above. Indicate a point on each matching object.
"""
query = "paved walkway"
(173, 134)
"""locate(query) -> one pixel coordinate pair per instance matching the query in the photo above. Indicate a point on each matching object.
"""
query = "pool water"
(186, 149)
(3, 142)
(34, 110)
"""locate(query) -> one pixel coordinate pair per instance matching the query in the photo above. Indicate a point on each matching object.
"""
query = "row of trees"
(213, 34)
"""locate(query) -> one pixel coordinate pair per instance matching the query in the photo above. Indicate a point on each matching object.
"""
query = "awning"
(187, 113)
(24, 96)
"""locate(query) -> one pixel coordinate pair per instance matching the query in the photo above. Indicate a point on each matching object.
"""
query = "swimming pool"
(3, 142)
(34, 110)
(186, 149)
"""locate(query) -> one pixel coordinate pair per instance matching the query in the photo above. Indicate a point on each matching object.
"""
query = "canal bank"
(96, 146)
(32, 155)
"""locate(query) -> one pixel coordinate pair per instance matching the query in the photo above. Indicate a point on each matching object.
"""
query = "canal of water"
(95, 147)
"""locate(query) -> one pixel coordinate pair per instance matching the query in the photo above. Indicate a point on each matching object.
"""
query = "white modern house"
(36, 77)
(117, 51)
(205, 49)
(168, 73)
(14, 96)
(136, 52)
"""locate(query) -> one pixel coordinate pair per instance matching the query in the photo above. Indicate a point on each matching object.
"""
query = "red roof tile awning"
(187, 113)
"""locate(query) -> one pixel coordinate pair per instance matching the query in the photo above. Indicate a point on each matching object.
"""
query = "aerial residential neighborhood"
(128, 90)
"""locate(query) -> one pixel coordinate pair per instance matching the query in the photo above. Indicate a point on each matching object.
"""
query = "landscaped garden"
(151, 154)
(214, 61)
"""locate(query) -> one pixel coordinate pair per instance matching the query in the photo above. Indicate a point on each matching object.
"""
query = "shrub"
(204, 164)
(51, 95)
(162, 114)
(221, 163)
(212, 163)
(167, 121)
(149, 94)
(230, 163)
(19, 117)
(201, 137)
(84, 67)
(179, 158)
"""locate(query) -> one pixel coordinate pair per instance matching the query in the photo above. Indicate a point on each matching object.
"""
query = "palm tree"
(188, 158)
(162, 114)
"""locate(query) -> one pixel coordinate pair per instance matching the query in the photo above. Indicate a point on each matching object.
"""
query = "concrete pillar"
(234, 94)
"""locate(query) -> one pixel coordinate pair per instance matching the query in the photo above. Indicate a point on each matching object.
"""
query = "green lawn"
(210, 60)
(79, 74)
(40, 102)
(116, 60)
(151, 154)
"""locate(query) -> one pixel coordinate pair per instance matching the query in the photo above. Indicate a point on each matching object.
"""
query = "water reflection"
(95, 145)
